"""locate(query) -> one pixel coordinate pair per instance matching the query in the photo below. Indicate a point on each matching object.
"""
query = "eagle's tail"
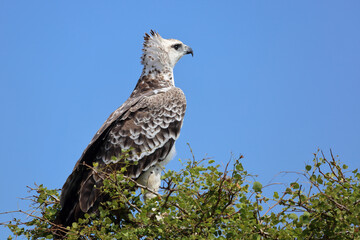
(79, 196)
(66, 216)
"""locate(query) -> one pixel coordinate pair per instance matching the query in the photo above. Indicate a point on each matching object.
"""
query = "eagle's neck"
(152, 78)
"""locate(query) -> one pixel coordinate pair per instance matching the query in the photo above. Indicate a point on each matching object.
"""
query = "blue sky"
(272, 80)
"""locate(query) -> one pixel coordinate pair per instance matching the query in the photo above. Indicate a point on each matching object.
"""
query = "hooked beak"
(189, 51)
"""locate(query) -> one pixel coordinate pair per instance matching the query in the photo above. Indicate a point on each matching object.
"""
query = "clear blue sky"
(272, 80)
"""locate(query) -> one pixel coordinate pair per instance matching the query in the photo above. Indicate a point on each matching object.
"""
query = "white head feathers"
(162, 53)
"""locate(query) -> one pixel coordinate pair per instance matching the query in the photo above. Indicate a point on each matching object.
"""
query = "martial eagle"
(147, 125)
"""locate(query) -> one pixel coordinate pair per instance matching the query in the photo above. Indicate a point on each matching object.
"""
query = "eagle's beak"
(189, 51)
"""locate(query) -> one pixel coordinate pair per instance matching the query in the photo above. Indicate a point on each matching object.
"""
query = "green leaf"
(308, 167)
(257, 186)
(239, 167)
(294, 185)
(74, 225)
(313, 178)
(293, 216)
(319, 180)
(276, 195)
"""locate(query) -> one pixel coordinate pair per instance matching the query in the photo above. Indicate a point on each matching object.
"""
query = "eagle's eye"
(176, 46)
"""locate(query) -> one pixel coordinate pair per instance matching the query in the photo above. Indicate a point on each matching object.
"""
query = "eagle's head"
(159, 52)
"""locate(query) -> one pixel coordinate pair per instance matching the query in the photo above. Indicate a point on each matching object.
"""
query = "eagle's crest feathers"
(160, 53)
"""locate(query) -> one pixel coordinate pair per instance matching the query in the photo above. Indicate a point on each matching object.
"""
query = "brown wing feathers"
(149, 126)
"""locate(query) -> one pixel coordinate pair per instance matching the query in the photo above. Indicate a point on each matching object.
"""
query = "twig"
(191, 151)
(142, 186)
(282, 197)
(58, 227)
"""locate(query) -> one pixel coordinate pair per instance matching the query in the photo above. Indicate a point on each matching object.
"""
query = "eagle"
(145, 126)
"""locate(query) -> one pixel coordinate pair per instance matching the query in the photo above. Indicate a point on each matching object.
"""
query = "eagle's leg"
(152, 180)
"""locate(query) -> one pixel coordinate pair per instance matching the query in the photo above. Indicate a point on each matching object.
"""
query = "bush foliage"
(201, 201)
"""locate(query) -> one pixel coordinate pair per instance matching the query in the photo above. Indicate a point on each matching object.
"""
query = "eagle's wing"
(148, 126)
(148, 130)
(70, 187)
